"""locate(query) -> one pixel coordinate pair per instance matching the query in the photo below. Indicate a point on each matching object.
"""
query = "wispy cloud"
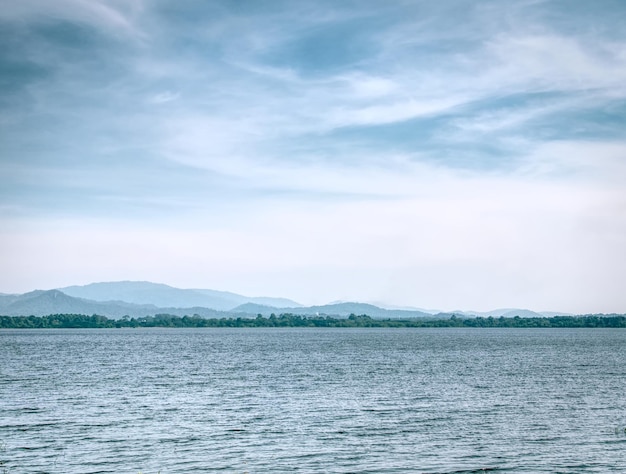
(115, 18)
(164, 97)
(468, 137)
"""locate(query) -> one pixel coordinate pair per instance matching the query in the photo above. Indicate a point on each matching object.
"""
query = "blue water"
(312, 400)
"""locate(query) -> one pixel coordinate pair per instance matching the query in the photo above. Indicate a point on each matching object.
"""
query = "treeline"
(294, 320)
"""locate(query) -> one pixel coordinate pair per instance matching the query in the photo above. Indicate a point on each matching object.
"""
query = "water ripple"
(312, 400)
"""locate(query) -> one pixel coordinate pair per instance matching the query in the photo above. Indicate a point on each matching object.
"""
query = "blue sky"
(455, 155)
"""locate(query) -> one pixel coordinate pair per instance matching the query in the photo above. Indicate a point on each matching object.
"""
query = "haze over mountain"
(42, 303)
(336, 309)
(511, 312)
(138, 299)
(158, 294)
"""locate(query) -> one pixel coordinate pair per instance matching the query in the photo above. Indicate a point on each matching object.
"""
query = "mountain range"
(138, 299)
(157, 294)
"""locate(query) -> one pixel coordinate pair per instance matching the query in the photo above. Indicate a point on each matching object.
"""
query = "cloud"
(409, 151)
(114, 17)
(163, 97)
(395, 112)
(592, 163)
(555, 62)
(504, 240)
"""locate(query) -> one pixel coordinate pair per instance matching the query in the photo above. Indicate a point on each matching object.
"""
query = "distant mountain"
(522, 313)
(6, 299)
(138, 299)
(254, 308)
(42, 303)
(336, 309)
(143, 292)
(405, 308)
(511, 313)
(551, 314)
(236, 300)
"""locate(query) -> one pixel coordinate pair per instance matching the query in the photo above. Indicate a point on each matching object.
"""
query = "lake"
(312, 400)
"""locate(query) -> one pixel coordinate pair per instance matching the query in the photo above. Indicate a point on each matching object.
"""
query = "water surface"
(312, 400)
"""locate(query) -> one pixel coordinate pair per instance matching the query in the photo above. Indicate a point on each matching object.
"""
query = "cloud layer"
(468, 154)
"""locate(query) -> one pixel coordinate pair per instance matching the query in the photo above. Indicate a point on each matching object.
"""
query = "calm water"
(312, 400)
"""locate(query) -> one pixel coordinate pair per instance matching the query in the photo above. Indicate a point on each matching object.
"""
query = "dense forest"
(293, 320)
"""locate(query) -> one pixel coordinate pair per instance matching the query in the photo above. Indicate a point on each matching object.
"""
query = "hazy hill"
(337, 309)
(254, 308)
(143, 292)
(6, 299)
(240, 299)
(138, 299)
(512, 312)
(42, 303)
(522, 313)
(403, 308)
(551, 314)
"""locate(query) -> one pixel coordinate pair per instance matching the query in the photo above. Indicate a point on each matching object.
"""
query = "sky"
(447, 155)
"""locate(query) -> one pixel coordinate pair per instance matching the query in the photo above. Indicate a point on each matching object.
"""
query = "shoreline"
(80, 321)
